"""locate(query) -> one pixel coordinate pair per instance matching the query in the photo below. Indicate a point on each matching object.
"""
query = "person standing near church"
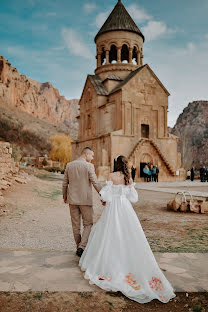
(192, 174)
(79, 177)
(203, 174)
(157, 174)
(133, 172)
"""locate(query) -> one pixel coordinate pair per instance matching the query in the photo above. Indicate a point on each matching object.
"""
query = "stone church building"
(123, 107)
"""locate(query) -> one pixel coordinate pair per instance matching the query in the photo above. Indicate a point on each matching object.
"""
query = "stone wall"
(9, 169)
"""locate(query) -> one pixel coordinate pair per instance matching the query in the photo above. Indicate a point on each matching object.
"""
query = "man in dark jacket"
(203, 174)
(192, 174)
(133, 172)
(157, 173)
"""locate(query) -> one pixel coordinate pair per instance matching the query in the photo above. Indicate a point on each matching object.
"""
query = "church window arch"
(134, 56)
(124, 54)
(113, 54)
(103, 56)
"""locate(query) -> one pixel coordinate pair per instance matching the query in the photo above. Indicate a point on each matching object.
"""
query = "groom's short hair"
(86, 149)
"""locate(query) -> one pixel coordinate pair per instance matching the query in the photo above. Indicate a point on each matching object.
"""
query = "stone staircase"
(164, 159)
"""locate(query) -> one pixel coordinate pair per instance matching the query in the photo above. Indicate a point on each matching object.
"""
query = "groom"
(79, 177)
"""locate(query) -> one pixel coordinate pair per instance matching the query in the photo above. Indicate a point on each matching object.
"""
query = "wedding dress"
(118, 256)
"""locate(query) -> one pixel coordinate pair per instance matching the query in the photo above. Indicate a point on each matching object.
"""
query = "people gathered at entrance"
(203, 174)
(150, 173)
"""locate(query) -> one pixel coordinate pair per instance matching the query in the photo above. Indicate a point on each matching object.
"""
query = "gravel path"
(38, 218)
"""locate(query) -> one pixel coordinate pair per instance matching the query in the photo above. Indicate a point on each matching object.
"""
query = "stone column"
(107, 56)
(119, 55)
(99, 60)
(141, 61)
(138, 58)
(130, 55)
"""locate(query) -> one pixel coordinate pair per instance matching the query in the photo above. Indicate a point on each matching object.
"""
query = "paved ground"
(23, 270)
(196, 188)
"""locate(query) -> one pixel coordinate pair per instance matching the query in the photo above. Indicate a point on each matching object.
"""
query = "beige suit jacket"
(79, 177)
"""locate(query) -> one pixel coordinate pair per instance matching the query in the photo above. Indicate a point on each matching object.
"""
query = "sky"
(50, 40)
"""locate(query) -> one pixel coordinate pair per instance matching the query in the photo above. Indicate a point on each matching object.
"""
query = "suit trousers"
(86, 212)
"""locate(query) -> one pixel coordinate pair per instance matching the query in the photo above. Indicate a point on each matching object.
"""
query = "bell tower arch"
(119, 44)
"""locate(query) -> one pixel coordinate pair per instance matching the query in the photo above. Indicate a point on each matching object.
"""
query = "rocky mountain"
(29, 135)
(192, 129)
(38, 99)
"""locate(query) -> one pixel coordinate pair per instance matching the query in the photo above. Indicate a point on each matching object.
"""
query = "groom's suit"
(79, 177)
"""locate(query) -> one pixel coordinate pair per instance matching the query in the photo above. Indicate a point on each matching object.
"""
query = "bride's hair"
(121, 164)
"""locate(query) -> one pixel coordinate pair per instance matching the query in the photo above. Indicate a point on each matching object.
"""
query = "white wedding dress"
(118, 256)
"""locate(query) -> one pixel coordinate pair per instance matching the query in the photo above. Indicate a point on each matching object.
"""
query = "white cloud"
(59, 48)
(206, 36)
(75, 44)
(138, 14)
(51, 14)
(101, 18)
(191, 47)
(153, 30)
(183, 72)
(89, 7)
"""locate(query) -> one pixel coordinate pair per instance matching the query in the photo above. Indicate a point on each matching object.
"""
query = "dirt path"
(96, 302)
(38, 219)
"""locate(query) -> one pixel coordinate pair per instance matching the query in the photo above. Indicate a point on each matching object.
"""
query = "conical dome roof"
(119, 19)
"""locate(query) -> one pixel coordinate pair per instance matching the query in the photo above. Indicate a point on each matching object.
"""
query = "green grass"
(38, 295)
(44, 176)
(53, 194)
(195, 240)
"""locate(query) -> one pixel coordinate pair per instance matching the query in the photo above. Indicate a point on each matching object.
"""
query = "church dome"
(119, 19)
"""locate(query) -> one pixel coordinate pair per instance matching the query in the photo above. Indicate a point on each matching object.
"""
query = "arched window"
(113, 55)
(124, 54)
(103, 57)
(134, 56)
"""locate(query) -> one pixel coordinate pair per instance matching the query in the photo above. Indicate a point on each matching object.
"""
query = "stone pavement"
(174, 187)
(41, 270)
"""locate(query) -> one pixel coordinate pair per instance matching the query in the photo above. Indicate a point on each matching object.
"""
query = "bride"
(118, 256)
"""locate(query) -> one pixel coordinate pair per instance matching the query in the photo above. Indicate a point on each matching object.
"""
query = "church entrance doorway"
(142, 165)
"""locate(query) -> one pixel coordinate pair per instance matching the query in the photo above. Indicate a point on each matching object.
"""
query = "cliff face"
(41, 100)
(192, 129)
(27, 133)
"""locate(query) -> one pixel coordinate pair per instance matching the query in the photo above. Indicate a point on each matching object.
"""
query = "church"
(124, 105)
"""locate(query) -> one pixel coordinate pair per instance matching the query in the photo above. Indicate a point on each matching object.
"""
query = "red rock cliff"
(41, 100)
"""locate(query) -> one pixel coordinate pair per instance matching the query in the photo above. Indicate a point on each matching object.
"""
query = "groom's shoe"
(79, 252)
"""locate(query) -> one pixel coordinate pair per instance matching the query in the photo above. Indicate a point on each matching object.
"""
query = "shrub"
(52, 169)
(61, 148)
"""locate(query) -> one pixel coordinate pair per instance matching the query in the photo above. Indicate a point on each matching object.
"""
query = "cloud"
(51, 14)
(138, 14)
(59, 48)
(183, 72)
(191, 47)
(101, 18)
(89, 7)
(153, 30)
(75, 44)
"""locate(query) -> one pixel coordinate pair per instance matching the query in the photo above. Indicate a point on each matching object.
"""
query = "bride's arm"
(132, 194)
